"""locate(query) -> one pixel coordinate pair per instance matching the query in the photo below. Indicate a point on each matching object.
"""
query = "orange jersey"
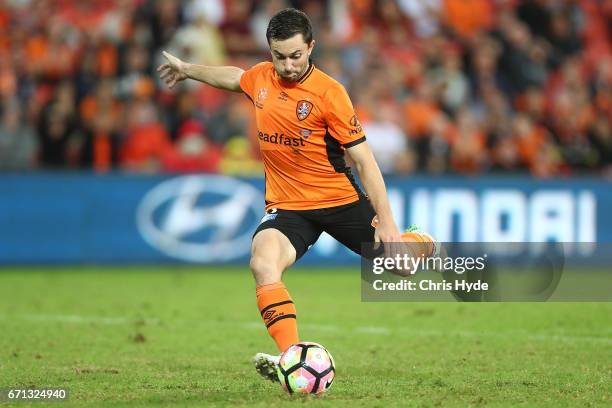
(303, 129)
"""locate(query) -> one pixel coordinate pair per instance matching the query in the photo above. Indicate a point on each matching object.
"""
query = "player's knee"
(265, 271)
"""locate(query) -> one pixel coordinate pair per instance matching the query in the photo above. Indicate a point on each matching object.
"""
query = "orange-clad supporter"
(532, 103)
(468, 17)
(107, 59)
(529, 138)
(144, 147)
(547, 162)
(146, 140)
(8, 80)
(192, 151)
(56, 54)
(35, 49)
(571, 112)
(468, 152)
(306, 124)
(103, 101)
(421, 110)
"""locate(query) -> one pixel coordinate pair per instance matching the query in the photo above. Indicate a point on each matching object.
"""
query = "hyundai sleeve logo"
(200, 218)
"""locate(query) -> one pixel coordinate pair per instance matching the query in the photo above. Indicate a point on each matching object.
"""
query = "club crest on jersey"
(356, 126)
(303, 109)
(261, 96)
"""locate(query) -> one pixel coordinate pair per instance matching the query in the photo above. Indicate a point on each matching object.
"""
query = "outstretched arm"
(176, 70)
(373, 182)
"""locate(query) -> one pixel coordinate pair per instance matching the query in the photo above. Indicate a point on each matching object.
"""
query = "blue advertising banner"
(83, 218)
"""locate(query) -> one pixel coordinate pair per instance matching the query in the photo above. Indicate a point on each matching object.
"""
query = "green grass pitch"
(170, 336)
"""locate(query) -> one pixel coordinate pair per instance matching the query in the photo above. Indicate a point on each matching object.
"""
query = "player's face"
(290, 57)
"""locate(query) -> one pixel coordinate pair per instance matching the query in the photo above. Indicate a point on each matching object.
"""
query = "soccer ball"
(306, 368)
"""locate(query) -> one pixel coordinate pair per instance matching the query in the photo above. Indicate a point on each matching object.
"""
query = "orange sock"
(278, 312)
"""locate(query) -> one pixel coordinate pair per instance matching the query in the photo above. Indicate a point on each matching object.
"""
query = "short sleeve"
(342, 121)
(248, 78)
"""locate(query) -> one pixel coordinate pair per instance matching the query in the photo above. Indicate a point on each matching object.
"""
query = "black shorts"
(350, 224)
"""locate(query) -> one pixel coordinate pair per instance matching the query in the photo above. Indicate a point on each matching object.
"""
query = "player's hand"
(389, 235)
(172, 71)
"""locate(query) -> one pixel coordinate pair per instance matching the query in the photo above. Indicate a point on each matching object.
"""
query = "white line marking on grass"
(333, 328)
(75, 319)
(372, 330)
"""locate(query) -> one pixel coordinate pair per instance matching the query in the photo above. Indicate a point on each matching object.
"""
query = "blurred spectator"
(236, 28)
(232, 120)
(101, 115)
(451, 80)
(199, 42)
(563, 34)
(388, 142)
(165, 17)
(134, 70)
(264, 11)
(421, 110)
(467, 18)
(536, 15)
(146, 140)
(18, 144)
(434, 150)
(425, 15)
(524, 60)
(468, 155)
(57, 129)
(192, 151)
(600, 135)
(505, 156)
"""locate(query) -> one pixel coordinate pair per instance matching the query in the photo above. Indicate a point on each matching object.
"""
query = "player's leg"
(271, 254)
(281, 239)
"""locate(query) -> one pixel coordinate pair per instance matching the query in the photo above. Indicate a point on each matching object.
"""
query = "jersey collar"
(307, 73)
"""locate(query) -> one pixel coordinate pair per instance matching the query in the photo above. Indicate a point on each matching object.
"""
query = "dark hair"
(287, 23)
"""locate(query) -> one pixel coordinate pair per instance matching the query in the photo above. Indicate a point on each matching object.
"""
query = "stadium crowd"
(440, 86)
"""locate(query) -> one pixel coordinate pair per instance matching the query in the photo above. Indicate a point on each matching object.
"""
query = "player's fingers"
(377, 242)
(165, 74)
(167, 71)
(161, 67)
(388, 247)
(167, 55)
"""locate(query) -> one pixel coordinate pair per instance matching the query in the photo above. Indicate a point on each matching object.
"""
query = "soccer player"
(306, 123)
